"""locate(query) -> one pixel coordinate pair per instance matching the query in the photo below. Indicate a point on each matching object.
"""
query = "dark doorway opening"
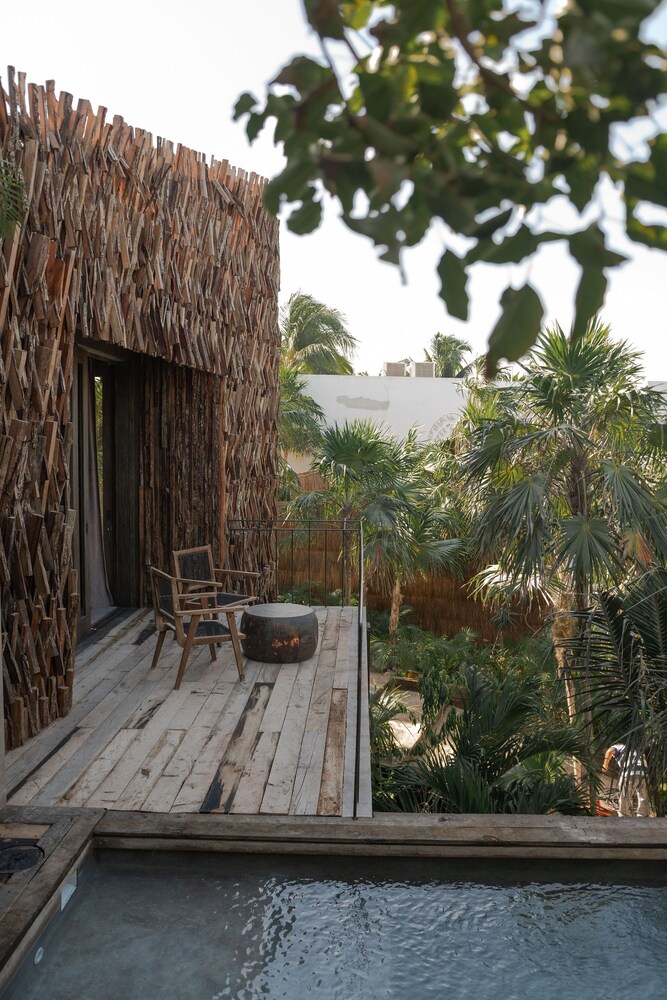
(106, 417)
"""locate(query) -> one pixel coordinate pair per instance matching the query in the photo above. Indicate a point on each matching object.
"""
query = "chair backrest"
(194, 564)
(162, 586)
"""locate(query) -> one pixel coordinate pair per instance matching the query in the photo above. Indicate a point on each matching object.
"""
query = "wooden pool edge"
(530, 837)
(76, 833)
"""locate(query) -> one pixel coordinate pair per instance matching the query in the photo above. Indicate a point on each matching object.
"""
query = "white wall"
(432, 405)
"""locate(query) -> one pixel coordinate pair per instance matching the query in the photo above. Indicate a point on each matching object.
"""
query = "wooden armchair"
(195, 570)
(194, 620)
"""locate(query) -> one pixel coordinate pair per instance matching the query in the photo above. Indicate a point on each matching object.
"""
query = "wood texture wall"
(145, 246)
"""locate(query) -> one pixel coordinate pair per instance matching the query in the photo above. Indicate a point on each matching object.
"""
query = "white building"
(431, 405)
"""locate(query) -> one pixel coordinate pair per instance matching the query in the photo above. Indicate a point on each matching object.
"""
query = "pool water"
(207, 927)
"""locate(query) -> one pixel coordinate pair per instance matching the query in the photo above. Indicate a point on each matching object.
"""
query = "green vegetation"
(619, 658)
(476, 115)
(551, 496)
(448, 352)
(315, 339)
(496, 753)
(564, 464)
(374, 478)
(12, 198)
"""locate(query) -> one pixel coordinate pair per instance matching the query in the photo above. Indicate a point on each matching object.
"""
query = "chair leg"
(158, 648)
(238, 654)
(186, 653)
(213, 650)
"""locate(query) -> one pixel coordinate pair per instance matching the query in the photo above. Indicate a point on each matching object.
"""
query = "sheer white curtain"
(100, 596)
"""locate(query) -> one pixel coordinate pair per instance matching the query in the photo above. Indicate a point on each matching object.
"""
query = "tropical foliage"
(376, 479)
(12, 198)
(299, 416)
(497, 754)
(619, 657)
(476, 115)
(448, 353)
(566, 472)
(315, 338)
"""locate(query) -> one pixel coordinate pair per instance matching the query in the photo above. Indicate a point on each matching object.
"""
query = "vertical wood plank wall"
(142, 245)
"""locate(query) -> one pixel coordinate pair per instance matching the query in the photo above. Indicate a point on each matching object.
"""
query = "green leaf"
(484, 230)
(254, 126)
(454, 279)
(587, 549)
(305, 219)
(518, 327)
(513, 249)
(291, 183)
(324, 17)
(589, 298)
(357, 13)
(589, 250)
(304, 74)
(651, 236)
(245, 104)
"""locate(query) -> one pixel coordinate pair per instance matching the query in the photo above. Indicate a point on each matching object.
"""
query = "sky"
(176, 70)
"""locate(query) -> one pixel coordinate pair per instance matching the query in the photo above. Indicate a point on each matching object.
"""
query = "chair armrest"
(191, 584)
(192, 606)
(238, 572)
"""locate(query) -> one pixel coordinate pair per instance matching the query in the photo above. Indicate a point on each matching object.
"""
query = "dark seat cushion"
(207, 628)
(224, 598)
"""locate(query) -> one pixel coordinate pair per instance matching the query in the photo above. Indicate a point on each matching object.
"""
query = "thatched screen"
(141, 245)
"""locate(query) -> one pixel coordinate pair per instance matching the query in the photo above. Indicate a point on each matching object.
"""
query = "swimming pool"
(171, 926)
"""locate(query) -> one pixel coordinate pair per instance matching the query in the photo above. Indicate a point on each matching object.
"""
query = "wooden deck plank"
(343, 648)
(220, 794)
(100, 737)
(330, 802)
(168, 785)
(274, 716)
(308, 777)
(350, 758)
(19, 766)
(281, 741)
(143, 781)
(91, 779)
(198, 782)
(278, 794)
(33, 785)
(364, 805)
(138, 749)
(252, 783)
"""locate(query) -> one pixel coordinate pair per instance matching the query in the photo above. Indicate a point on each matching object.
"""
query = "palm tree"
(299, 427)
(299, 416)
(372, 477)
(315, 339)
(619, 658)
(498, 754)
(563, 470)
(448, 353)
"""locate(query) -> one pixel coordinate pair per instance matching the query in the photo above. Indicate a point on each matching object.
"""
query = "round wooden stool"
(279, 633)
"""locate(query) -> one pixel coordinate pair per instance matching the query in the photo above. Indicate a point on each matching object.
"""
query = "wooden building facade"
(138, 375)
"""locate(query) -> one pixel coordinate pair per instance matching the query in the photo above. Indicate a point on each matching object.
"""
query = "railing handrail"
(299, 535)
(348, 523)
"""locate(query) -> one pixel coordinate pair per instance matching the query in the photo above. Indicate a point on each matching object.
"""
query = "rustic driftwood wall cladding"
(145, 247)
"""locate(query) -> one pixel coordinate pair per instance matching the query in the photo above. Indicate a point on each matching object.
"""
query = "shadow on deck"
(284, 741)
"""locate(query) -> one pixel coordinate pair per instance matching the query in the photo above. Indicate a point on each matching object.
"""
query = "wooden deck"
(281, 742)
